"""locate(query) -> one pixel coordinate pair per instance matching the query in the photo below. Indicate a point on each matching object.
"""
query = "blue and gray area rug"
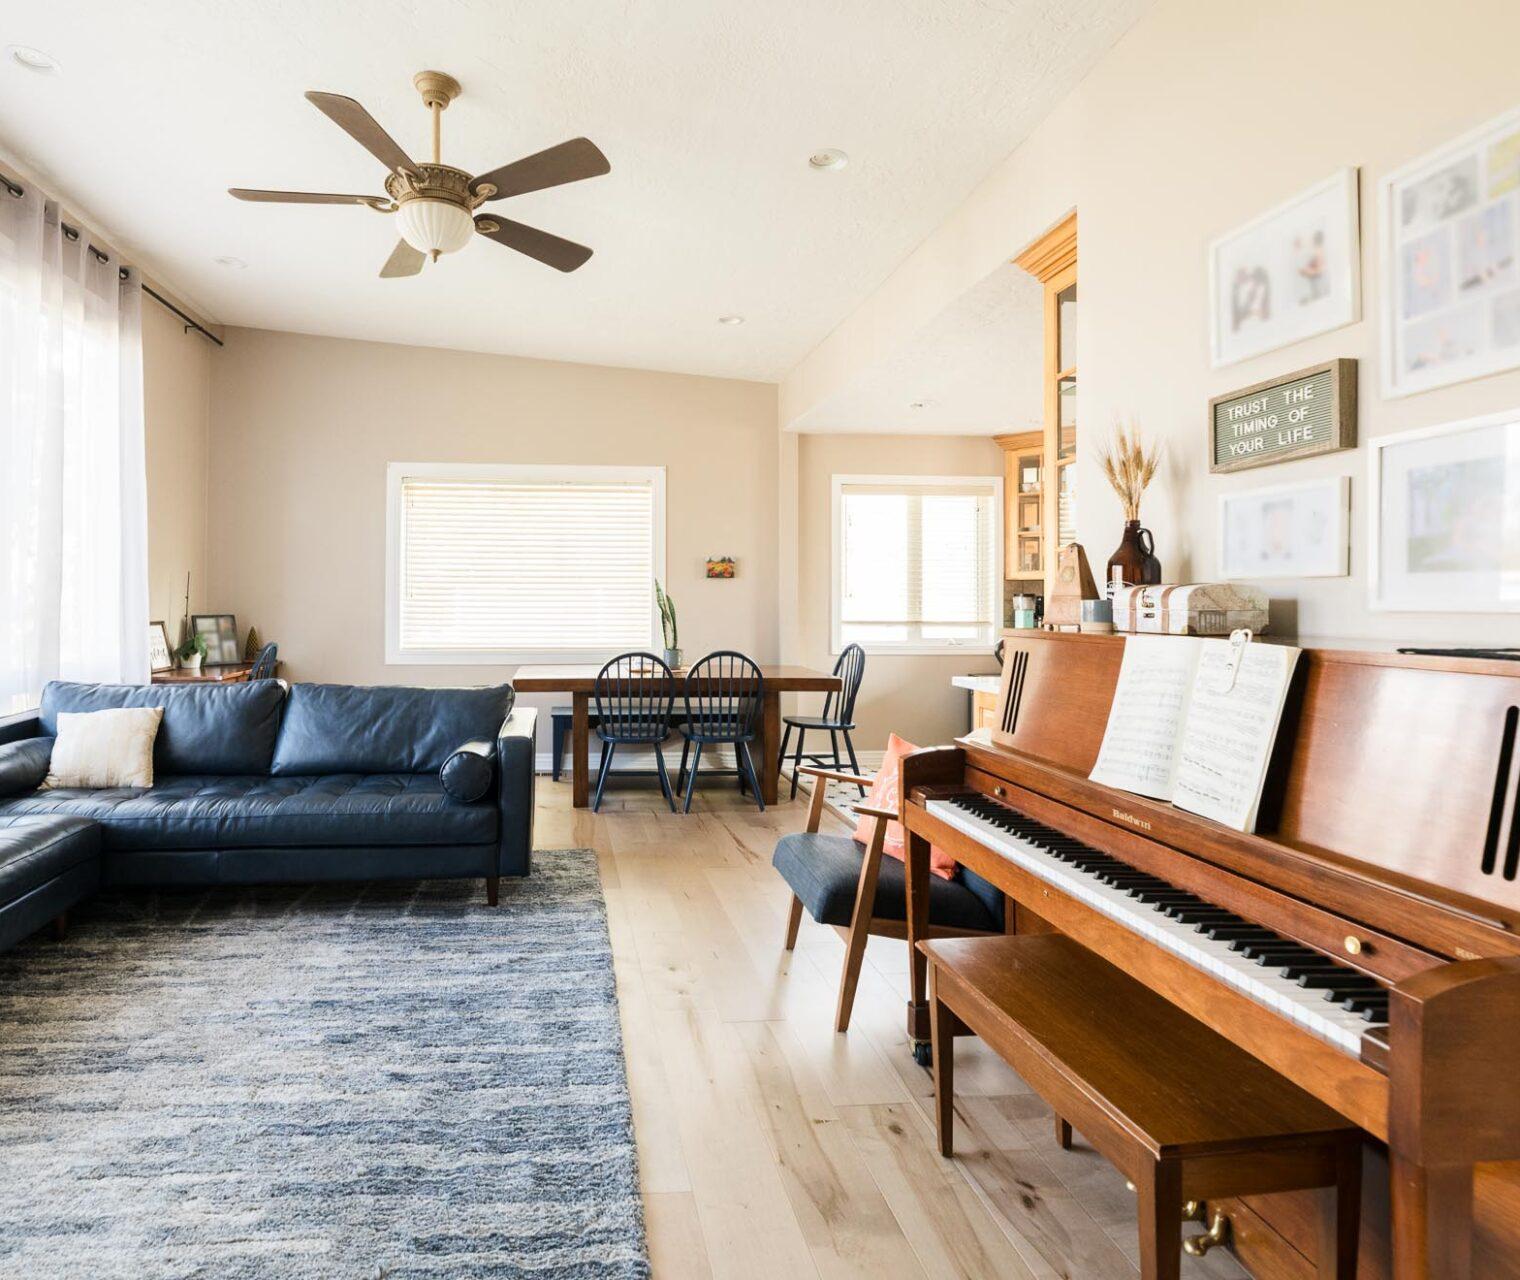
(359, 1081)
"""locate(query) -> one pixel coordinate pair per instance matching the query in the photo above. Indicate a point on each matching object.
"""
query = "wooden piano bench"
(1179, 1110)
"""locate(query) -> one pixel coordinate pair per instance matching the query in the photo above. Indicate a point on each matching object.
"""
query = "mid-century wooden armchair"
(860, 892)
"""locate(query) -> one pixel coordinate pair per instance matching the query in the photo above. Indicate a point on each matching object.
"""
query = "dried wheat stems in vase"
(1129, 466)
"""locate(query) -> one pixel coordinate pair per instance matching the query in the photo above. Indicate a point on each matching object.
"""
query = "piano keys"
(1355, 942)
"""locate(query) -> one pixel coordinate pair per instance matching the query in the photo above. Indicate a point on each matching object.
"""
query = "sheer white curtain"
(73, 492)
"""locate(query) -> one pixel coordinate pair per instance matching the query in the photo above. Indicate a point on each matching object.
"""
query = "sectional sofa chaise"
(263, 783)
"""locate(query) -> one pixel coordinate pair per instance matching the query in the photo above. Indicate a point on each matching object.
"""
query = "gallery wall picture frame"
(220, 630)
(1450, 261)
(1291, 273)
(1299, 530)
(1444, 517)
(160, 655)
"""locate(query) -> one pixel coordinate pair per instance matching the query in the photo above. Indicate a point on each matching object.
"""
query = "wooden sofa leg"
(793, 923)
(60, 926)
(493, 884)
(1063, 1134)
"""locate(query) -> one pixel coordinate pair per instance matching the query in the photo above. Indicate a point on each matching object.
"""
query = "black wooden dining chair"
(837, 720)
(633, 695)
(723, 696)
(265, 663)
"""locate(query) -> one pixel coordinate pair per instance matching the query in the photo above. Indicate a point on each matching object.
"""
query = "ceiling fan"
(434, 203)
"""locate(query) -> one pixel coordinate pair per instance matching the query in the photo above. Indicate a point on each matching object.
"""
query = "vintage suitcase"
(1195, 609)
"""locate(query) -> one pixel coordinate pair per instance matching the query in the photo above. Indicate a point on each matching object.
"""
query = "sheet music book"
(1193, 722)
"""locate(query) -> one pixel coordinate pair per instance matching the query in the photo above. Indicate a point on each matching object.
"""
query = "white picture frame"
(1299, 530)
(1444, 517)
(1450, 261)
(1289, 274)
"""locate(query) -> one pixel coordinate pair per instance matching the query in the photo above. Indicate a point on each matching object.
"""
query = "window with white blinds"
(916, 562)
(522, 564)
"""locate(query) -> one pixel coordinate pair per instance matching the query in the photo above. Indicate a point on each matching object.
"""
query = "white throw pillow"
(105, 748)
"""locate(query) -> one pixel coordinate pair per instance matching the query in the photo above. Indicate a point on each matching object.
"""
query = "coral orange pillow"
(884, 795)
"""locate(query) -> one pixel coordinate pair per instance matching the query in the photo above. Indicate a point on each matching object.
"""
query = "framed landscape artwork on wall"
(1445, 517)
(1451, 289)
(1289, 274)
(1286, 531)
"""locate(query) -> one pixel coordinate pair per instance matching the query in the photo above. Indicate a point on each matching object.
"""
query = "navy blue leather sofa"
(256, 783)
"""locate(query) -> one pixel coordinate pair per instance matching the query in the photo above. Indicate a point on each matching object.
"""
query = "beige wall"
(303, 428)
(177, 410)
(1203, 116)
(908, 694)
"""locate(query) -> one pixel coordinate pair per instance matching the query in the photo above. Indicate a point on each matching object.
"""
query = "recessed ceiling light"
(44, 64)
(829, 158)
(231, 263)
(730, 319)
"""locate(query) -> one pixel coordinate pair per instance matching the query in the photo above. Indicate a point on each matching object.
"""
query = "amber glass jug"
(1134, 564)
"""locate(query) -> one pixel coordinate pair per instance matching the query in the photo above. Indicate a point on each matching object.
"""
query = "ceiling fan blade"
(300, 197)
(404, 261)
(362, 127)
(553, 251)
(569, 162)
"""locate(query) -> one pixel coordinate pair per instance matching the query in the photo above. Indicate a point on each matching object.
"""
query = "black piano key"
(1344, 982)
(1279, 953)
(1318, 965)
(1229, 932)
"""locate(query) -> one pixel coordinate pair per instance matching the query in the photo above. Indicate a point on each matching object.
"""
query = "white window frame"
(836, 559)
(395, 472)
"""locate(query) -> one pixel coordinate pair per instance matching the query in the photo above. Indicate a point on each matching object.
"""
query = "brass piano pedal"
(1218, 1233)
(1192, 1210)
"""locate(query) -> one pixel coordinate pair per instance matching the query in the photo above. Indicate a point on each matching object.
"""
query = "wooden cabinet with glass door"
(1052, 260)
(1023, 465)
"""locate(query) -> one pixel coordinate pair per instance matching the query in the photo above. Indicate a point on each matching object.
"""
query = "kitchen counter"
(977, 684)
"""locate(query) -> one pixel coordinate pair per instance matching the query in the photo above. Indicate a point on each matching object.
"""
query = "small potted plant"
(191, 650)
(668, 627)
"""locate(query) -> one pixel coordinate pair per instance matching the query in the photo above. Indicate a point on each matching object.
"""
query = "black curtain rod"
(73, 234)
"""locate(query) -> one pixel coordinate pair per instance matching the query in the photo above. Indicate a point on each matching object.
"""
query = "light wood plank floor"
(769, 1145)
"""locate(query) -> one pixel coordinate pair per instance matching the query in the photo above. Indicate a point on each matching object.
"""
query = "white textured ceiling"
(707, 110)
(975, 369)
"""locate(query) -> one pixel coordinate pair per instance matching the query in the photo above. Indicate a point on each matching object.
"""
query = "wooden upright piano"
(1383, 869)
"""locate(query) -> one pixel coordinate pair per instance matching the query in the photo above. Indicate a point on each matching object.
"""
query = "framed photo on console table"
(1445, 517)
(1289, 274)
(1451, 284)
(220, 630)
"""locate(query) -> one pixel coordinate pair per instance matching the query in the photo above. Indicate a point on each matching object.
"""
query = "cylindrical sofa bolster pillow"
(470, 772)
(23, 765)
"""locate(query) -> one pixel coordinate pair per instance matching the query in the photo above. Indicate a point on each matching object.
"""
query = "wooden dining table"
(578, 682)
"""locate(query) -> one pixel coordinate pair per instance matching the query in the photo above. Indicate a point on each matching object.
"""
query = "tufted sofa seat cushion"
(35, 850)
(186, 811)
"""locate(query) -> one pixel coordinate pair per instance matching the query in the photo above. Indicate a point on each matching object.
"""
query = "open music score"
(1193, 722)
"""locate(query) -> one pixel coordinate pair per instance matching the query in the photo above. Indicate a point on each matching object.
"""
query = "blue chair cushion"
(824, 871)
(35, 850)
(212, 812)
(345, 728)
(226, 728)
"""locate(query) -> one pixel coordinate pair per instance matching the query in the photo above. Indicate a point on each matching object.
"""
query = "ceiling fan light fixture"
(434, 226)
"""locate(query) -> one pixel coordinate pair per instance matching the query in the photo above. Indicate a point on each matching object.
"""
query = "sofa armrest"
(516, 747)
(24, 764)
(27, 724)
